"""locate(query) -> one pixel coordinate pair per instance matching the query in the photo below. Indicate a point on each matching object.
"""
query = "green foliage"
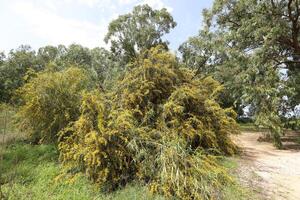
(20, 64)
(63, 56)
(248, 127)
(158, 127)
(139, 30)
(208, 56)
(2, 57)
(48, 54)
(293, 123)
(247, 44)
(106, 66)
(98, 62)
(50, 100)
(14, 68)
(78, 55)
(32, 172)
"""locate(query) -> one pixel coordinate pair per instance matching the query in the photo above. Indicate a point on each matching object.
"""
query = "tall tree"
(14, 69)
(141, 29)
(79, 55)
(106, 67)
(2, 58)
(208, 56)
(261, 38)
(47, 54)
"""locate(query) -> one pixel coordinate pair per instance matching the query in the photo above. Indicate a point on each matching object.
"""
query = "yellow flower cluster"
(160, 126)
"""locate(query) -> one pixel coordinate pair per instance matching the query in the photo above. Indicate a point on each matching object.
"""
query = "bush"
(160, 126)
(50, 101)
(292, 123)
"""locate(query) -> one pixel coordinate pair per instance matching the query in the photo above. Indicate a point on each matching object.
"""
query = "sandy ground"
(276, 173)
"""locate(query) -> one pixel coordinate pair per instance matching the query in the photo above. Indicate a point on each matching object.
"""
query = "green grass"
(30, 171)
(251, 127)
(248, 127)
(8, 129)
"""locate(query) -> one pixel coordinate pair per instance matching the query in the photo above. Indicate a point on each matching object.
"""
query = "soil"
(275, 174)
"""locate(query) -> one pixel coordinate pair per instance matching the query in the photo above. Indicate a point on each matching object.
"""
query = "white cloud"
(127, 2)
(39, 23)
(49, 26)
(90, 3)
(83, 3)
(50, 4)
(157, 4)
(94, 3)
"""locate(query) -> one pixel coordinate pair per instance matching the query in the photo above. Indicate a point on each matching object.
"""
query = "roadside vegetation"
(137, 121)
(33, 172)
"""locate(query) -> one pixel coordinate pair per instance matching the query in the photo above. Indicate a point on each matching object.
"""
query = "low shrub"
(292, 123)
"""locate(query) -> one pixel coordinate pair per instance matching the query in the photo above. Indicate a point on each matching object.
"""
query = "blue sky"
(52, 22)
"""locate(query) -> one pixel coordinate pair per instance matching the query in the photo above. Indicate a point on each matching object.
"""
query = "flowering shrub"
(160, 126)
(51, 100)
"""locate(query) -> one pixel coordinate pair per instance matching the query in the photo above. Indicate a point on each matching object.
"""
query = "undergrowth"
(32, 172)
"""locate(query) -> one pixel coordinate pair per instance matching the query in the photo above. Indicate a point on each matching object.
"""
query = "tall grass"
(8, 129)
(31, 172)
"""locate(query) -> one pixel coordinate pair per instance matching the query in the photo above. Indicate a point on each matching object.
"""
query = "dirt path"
(275, 172)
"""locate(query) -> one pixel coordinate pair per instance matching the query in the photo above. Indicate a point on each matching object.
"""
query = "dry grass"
(8, 130)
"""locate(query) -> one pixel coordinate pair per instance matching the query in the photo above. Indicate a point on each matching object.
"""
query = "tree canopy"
(253, 45)
(139, 30)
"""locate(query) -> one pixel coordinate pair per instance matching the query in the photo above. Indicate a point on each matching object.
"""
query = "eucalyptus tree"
(14, 69)
(260, 39)
(207, 56)
(78, 55)
(139, 30)
(106, 67)
(47, 54)
(2, 58)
